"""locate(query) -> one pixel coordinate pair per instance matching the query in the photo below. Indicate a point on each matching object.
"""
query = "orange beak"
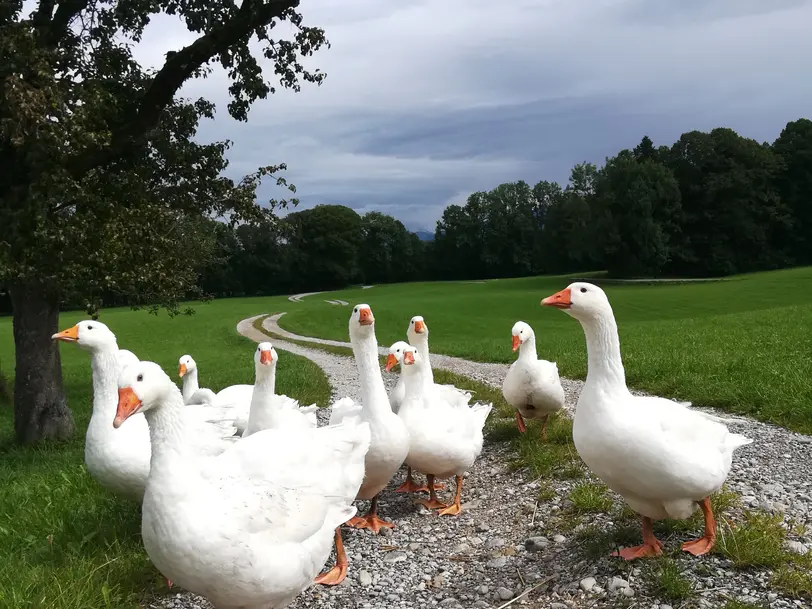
(559, 300)
(516, 342)
(71, 335)
(128, 405)
(265, 356)
(391, 362)
(182, 370)
(419, 327)
(365, 317)
(408, 357)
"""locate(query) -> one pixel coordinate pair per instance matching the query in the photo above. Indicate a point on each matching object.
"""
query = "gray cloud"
(429, 100)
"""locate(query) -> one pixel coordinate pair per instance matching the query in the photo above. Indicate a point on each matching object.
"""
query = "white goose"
(119, 459)
(532, 385)
(663, 458)
(251, 527)
(236, 399)
(192, 392)
(418, 335)
(444, 439)
(390, 440)
(269, 410)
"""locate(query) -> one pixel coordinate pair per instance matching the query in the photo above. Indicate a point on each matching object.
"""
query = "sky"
(427, 101)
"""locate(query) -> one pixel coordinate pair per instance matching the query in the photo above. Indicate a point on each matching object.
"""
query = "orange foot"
(432, 504)
(333, 577)
(641, 551)
(374, 524)
(451, 510)
(354, 522)
(700, 546)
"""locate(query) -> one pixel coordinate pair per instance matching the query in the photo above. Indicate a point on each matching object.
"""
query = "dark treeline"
(711, 204)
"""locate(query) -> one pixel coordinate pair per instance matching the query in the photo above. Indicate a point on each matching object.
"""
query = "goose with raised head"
(444, 439)
(663, 458)
(268, 409)
(418, 335)
(191, 390)
(532, 385)
(251, 527)
(390, 440)
(118, 459)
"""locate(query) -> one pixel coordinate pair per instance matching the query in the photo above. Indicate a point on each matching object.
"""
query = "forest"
(711, 204)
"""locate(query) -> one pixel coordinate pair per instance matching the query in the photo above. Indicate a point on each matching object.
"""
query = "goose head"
(417, 329)
(396, 352)
(521, 332)
(583, 301)
(141, 387)
(265, 355)
(88, 334)
(186, 365)
(362, 321)
(408, 357)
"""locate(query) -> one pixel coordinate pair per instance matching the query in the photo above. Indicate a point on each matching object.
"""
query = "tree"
(734, 220)
(794, 147)
(385, 249)
(325, 241)
(637, 211)
(99, 165)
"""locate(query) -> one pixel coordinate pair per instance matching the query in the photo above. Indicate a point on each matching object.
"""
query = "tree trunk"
(40, 408)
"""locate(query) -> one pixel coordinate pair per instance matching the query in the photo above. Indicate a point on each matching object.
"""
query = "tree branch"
(177, 69)
(54, 28)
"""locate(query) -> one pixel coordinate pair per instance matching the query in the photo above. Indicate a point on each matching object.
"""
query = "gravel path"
(503, 544)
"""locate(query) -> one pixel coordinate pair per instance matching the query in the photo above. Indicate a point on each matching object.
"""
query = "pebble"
(587, 584)
(364, 578)
(504, 594)
(536, 544)
(617, 583)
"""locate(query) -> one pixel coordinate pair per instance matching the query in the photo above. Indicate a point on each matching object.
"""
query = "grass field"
(66, 543)
(743, 344)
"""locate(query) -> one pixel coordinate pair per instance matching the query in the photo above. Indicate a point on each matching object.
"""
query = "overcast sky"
(427, 101)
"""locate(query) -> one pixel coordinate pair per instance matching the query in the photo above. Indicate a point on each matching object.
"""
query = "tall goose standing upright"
(390, 440)
(663, 458)
(532, 385)
(418, 335)
(191, 390)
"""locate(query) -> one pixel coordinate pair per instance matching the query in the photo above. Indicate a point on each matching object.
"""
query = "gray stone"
(797, 547)
(628, 592)
(504, 593)
(617, 583)
(483, 589)
(395, 557)
(364, 578)
(536, 544)
(559, 539)
(587, 584)
(497, 563)
(496, 542)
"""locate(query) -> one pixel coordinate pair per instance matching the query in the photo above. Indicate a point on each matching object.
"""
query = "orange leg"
(354, 522)
(454, 508)
(544, 427)
(410, 486)
(337, 574)
(704, 544)
(371, 521)
(432, 502)
(520, 422)
(650, 547)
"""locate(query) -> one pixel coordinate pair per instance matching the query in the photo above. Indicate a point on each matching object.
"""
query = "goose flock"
(243, 495)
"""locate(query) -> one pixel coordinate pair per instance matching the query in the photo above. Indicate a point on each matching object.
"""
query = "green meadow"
(742, 344)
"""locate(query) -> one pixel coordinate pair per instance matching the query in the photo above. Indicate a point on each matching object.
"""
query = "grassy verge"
(65, 542)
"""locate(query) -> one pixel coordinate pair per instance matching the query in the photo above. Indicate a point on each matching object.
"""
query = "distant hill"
(424, 235)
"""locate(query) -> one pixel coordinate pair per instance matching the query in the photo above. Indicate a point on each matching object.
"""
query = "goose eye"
(583, 290)
(139, 378)
(90, 327)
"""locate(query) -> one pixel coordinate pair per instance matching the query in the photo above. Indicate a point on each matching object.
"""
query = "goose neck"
(373, 392)
(190, 384)
(167, 435)
(527, 350)
(104, 366)
(605, 366)
(421, 341)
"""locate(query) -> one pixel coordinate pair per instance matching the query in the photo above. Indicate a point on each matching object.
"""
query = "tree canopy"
(104, 182)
